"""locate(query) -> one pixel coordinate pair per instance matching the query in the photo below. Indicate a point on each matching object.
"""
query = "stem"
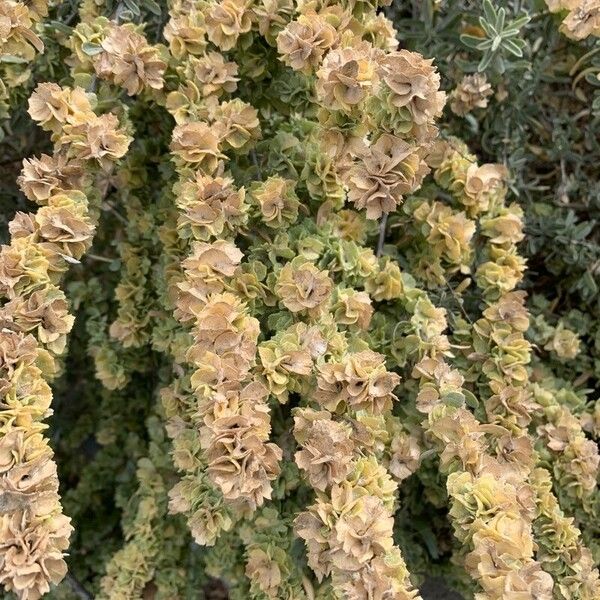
(100, 258)
(382, 228)
(115, 212)
(78, 588)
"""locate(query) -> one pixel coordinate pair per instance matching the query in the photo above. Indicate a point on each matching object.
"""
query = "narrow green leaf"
(153, 7)
(513, 48)
(484, 63)
(471, 41)
(500, 19)
(489, 11)
(488, 28)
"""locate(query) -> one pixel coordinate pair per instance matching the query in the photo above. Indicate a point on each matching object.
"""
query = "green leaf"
(456, 399)
(152, 6)
(471, 41)
(488, 28)
(499, 64)
(11, 59)
(489, 11)
(430, 541)
(485, 61)
(513, 48)
(520, 22)
(132, 5)
(471, 399)
(500, 19)
(58, 26)
(91, 49)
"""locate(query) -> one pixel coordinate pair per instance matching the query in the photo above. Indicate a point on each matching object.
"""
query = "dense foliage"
(309, 304)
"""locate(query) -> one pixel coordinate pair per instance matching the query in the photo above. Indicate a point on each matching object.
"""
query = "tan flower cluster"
(209, 206)
(271, 17)
(220, 426)
(482, 191)
(212, 74)
(582, 17)
(260, 567)
(232, 424)
(194, 495)
(289, 357)
(327, 448)
(381, 175)
(19, 41)
(564, 343)
(197, 144)
(232, 125)
(45, 176)
(302, 287)
(405, 455)
(478, 188)
(76, 130)
(492, 504)
(348, 531)
(240, 460)
(128, 61)
(411, 86)
(129, 326)
(472, 92)
(238, 125)
(448, 236)
(225, 21)
(276, 201)
(259, 229)
(346, 78)
(352, 308)
(377, 104)
(348, 534)
(34, 533)
(360, 382)
(186, 33)
(427, 326)
(304, 42)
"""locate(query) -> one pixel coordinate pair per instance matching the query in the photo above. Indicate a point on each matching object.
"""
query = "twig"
(459, 302)
(255, 161)
(78, 588)
(100, 258)
(382, 228)
(115, 212)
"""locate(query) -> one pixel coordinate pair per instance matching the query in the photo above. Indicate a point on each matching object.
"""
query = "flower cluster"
(581, 17)
(471, 93)
(575, 459)
(35, 323)
(231, 424)
(214, 292)
(116, 53)
(503, 354)
(19, 45)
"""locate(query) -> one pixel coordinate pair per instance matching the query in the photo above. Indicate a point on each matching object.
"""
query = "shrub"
(311, 323)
